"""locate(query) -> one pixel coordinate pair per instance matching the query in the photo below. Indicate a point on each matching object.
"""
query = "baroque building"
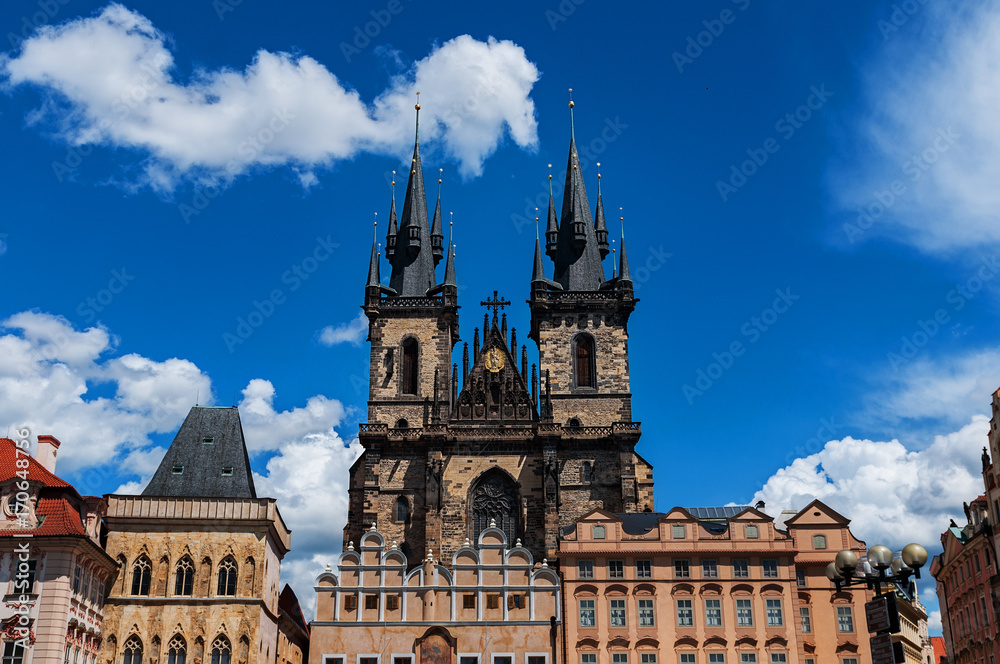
(198, 558)
(715, 584)
(53, 568)
(449, 448)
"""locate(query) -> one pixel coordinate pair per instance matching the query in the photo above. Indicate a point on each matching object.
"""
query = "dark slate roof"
(202, 463)
(577, 268)
(726, 512)
(413, 273)
(639, 523)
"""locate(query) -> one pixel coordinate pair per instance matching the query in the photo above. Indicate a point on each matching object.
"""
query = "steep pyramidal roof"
(413, 259)
(208, 458)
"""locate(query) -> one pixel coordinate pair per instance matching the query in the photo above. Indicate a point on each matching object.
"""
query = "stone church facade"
(450, 448)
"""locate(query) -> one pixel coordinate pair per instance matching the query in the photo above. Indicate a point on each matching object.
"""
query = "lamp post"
(879, 567)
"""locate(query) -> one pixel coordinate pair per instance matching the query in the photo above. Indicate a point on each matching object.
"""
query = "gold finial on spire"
(572, 132)
(451, 218)
(417, 106)
(598, 178)
(440, 173)
(571, 98)
(536, 224)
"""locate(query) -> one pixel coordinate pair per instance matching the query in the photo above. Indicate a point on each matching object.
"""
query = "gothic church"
(450, 449)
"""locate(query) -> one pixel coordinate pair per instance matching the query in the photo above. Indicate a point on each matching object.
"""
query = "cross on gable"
(495, 304)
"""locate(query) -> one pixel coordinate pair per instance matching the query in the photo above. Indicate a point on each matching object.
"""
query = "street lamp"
(879, 567)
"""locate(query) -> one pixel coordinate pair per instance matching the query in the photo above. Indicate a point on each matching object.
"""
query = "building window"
(774, 614)
(227, 471)
(408, 659)
(503, 659)
(371, 602)
(587, 618)
(850, 660)
(744, 613)
(647, 658)
(682, 569)
(141, 570)
(495, 498)
(177, 650)
(468, 601)
(713, 613)
(741, 569)
(588, 658)
(598, 532)
(805, 619)
(221, 650)
(618, 613)
(392, 602)
(77, 576)
(778, 658)
(710, 569)
(132, 651)
(493, 601)
(716, 658)
(208, 440)
(350, 603)
(748, 658)
(537, 659)
(587, 471)
(687, 658)
(770, 569)
(751, 532)
(410, 366)
(845, 619)
(685, 613)
(646, 615)
(619, 658)
(13, 652)
(402, 510)
(227, 577)
(515, 601)
(800, 578)
(585, 361)
(368, 660)
(468, 659)
(644, 569)
(819, 541)
(585, 569)
(677, 531)
(616, 569)
(184, 577)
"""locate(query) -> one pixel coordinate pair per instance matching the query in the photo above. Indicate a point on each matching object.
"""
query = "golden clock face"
(493, 360)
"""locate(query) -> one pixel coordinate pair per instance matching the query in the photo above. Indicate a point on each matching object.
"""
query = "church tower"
(451, 451)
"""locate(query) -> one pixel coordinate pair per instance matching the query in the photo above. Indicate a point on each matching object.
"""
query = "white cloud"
(268, 429)
(934, 621)
(892, 495)
(352, 333)
(929, 121)
(111, 80)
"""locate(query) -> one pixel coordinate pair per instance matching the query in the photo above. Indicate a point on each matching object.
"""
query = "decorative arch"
(204, 577)
(222, 650)
(771, 588)
(682, 589)
(249, 576)
(132, 650)
(494, 497)
(616, 589)
(742, 588)
(228, 573)
(184, 577)
(142, 572)
(437, 646)
(584, 360)
(644, 589)
(410, 373)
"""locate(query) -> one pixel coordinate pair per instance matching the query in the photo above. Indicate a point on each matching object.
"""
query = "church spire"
(374, 279)
(449, 265)
(413, 260)
(552, 226)
(623, 273)
(437, 237)
(600, 226)
(390, 237)
(577, 254)
(538, 270)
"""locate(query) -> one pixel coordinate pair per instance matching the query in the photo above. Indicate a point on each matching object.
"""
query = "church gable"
(494, 391)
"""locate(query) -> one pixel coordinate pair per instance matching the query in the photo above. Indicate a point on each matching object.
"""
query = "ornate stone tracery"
(495, 499)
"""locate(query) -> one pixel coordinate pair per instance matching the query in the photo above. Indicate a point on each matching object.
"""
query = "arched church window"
(141, 572)
(177, 650)
(587, 470)
(221, 650)
(184, 577)
(495, 498)
(227, 577)
(410, 366)
(402, 510)
(584, 357)
(132, 651)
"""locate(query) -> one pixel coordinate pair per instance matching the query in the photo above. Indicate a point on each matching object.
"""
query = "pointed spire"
(623, 273)
(538, 269)
(449, 265)
(552, 225)
(436, 235)
(600, 227)
(374, 279)
(413, 261)
(390, 238)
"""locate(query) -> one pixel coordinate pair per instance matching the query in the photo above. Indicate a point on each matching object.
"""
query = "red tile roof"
(8, 468)
(939, 650)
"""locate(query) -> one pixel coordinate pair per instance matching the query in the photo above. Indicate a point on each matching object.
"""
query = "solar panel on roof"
(725, 512)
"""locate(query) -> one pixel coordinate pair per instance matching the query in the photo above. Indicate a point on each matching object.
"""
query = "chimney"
(45, 455)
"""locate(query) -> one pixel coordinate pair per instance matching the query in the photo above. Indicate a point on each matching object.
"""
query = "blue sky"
(816, 185)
